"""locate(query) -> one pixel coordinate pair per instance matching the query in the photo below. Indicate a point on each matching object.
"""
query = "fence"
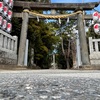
(94, 47)
(8, 48)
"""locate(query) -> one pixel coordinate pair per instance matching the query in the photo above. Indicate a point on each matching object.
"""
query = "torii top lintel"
(57, 6)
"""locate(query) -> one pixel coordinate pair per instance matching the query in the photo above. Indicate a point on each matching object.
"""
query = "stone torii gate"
(56, 6)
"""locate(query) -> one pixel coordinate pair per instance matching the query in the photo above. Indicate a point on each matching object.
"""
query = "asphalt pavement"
(50, 85)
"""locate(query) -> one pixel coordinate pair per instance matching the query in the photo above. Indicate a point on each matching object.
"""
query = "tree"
(41, 39)
(65, 50)
(39, 35)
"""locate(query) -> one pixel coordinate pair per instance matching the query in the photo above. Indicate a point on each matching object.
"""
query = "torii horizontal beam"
(56, 6)
(20, 15)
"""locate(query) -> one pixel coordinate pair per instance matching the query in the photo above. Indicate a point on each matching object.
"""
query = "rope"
(52, 16)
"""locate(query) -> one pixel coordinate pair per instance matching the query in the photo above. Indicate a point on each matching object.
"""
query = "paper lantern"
(11, 3)
(1, 20)
(9, 27)
(1, 7)
(4, 24)
(5, 11)
(9, 14)
(6, 2)
(97, 28)
(99, 17)
(95, 16)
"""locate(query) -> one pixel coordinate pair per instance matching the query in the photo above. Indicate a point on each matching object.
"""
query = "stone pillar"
(78, 54)
(5, 42)
(9, 44)
(26, 53)
(23, 38)
(32, 56)
(1, 40)
(83, 42)
(54, 63)
(15, 44)
(12, 44)
(91, 45)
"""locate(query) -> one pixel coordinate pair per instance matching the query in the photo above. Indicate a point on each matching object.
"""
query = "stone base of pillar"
(12, 67)
(7, 58)
(89, 67)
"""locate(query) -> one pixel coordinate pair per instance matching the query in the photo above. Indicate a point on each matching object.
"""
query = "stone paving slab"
(50, 85)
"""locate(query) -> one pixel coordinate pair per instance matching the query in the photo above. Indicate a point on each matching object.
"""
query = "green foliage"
(41, 39)
(65, 59)
(64, 56)
(91, 33)
(16, 26)
(39, 35)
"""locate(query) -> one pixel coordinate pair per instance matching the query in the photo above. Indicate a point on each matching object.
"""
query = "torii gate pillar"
(83, 42)
(23, 38)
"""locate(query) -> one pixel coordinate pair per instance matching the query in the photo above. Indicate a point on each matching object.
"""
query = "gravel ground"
(50, 85)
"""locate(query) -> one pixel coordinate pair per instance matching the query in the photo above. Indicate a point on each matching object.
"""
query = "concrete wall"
(8, 48)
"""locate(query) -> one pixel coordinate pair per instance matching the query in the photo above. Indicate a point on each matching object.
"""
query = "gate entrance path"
(49, 6)
(50, 85)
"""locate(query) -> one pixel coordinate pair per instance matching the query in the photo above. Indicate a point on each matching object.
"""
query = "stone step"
(12, 67)
(90, 67)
